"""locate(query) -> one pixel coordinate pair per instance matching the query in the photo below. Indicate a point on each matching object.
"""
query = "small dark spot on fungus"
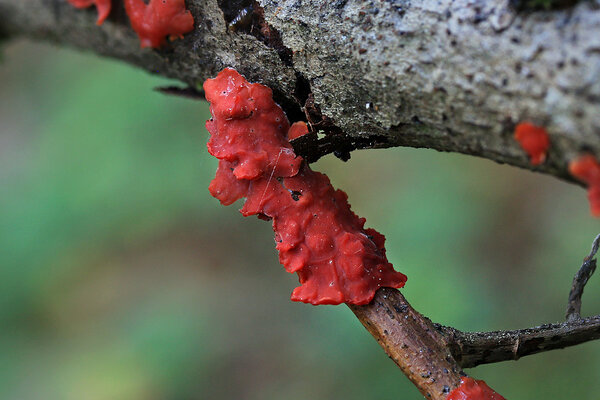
(362, 50)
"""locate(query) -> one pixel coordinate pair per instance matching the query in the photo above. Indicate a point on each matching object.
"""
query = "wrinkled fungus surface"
(471, 389)
(103, 7)
(159, 19)
(318, 237)
(587, 169)
(534, 140)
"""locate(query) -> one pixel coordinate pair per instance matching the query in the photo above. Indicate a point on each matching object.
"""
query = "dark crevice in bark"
(117, 13)
(301, 93)
(536, 5)
(248, 17)
(269, 35)
(311, 148)
(233, 10)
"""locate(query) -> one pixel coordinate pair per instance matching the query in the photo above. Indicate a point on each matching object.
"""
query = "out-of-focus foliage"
(120, 278)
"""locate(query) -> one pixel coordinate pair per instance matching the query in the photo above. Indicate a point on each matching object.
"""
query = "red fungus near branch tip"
(471, 389)
(316, 233)
(534, 140)
(587, 169)
(297, 129)
(154, 21)
(103, 7)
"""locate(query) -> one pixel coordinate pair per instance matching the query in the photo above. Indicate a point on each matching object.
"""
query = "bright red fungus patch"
(103, 7)
(297, 129)
(316, 233)
(534, 140)
(587, 169)
(154, 21)
(471, 389)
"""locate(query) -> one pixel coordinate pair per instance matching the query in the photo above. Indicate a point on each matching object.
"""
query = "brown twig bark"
(471, 349)
(579, 281)
(432, 355)
(412, 342)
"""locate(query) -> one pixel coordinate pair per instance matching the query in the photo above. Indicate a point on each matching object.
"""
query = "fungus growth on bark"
(297, 129)
(587, 169)
(316, 233)
(154, 21)
(471, 389)
(534, 140)
(102, 6)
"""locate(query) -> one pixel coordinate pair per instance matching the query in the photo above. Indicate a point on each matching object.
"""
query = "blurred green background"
(121, 278)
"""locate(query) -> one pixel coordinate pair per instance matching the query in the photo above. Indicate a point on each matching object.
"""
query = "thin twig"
(475, 348)
(579, 281)
(405, 335)
(412, 342)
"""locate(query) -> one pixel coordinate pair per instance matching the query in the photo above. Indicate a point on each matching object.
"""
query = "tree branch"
(474, 348)
(412, 342)
(471, 349)
(449, 75)
(426, 350)
(579, 281)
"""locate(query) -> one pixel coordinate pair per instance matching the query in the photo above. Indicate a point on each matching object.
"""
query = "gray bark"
(449, 75)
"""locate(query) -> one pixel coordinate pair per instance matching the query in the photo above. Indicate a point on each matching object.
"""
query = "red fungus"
(154, 21)
(471, 389)
(587, 169)
(534, 140)
(316, 233)
(297, 129)
(103, 7)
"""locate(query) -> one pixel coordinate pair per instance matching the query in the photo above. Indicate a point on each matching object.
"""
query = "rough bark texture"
(412, 342)
(450, 75)
(471, 349)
